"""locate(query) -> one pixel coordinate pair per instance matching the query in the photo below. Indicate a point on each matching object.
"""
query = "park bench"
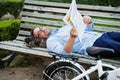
(50, 14)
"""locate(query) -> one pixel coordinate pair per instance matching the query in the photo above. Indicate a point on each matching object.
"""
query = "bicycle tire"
(61, 67)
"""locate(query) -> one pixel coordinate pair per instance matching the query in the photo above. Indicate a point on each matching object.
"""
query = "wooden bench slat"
(28, 26)
(58, 23)
(106, 29)
(22, 45)
(60, 17)
(39, 21)
(63, 11)
(41, 15)
(25, 33)
(106, 22)
(67, 5)
(99, 8)
(100, 14)
(32, 26)
(14, 43)
(24, 50)
(97, 28)
(20, 38)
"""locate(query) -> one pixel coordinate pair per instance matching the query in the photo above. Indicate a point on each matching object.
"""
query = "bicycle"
(66, 67)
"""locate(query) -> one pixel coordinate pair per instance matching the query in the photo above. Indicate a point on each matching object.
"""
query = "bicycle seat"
(99, 51)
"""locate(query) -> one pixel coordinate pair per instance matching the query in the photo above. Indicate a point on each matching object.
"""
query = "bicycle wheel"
(64, 70)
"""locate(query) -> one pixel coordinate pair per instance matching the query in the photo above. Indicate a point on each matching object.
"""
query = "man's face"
(41, 32)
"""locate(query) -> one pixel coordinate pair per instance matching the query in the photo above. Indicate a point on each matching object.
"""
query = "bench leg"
(1, 64)
(5, 62)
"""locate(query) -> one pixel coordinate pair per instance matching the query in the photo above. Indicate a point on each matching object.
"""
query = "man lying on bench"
(65, 40)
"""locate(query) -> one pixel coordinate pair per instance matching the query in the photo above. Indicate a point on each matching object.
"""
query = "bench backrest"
(50, 14)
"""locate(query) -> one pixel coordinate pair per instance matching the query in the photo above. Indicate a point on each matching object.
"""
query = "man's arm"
(74, 33)
(69, 45)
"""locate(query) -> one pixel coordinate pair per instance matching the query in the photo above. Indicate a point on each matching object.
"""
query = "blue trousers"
(109, 40)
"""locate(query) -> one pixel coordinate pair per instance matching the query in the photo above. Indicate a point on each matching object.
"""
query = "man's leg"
(106, 41)
(114, 35)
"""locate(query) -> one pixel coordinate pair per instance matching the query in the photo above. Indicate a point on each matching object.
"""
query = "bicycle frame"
(98, 66)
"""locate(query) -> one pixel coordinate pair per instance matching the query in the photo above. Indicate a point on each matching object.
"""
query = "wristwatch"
(90, 22)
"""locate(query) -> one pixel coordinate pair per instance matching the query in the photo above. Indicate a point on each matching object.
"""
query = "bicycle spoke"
(58, 76)
(63, 72)
(69, 73)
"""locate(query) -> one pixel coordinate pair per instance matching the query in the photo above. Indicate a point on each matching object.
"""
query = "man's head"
(41, 32)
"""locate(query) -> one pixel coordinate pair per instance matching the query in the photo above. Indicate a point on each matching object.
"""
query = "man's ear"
(46, 36)
(32, 32)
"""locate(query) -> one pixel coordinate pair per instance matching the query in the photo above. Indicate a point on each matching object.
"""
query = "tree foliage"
(114, 3)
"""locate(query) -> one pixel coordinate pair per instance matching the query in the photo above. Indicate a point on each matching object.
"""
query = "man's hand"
(69, 45)
(87, 20)
(73, 32)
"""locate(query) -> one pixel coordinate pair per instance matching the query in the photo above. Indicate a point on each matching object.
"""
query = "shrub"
(2, 8)
(9, 29)
(14, 7)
